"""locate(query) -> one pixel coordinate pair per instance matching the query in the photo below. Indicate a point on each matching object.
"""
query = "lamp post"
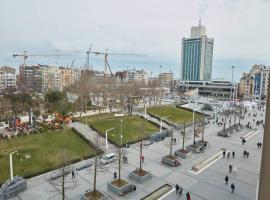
(11, 164)
(161, 119)
(194, 125)
(106, 133)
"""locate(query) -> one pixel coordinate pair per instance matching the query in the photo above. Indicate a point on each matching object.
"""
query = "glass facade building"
(197, 56)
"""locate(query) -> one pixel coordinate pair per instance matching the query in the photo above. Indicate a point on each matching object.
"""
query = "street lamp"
(106, 133)
(11, 164)
(194, 125)
(161, 119)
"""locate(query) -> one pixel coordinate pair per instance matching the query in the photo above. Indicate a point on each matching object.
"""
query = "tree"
(61, 180)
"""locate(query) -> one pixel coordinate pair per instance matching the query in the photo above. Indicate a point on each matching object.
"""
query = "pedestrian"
(243, 141)
(180, 191)
(247, 154)
(134, 187)
(142, 159)
(233, 154)
(258, 145)
(232, 187)
(114, 175)
(177, 187)
(224, 152)
(230, 168)
(228, 155)
(73, 174)
(188, 196)
(226, 179)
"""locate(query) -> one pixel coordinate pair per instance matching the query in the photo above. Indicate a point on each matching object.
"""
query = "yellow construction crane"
(25, 56)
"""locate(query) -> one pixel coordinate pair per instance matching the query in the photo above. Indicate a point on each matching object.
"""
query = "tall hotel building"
(197, 55)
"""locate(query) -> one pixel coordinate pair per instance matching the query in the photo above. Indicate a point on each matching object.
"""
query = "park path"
(91, 135)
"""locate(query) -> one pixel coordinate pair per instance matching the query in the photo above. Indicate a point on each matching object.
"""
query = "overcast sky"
(241, 29)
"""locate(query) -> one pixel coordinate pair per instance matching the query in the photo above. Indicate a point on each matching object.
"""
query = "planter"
(172, 161)
(120, 188)
(223, 134)
(183, 153)
(195, 149)
(140, 177)
(203, 144)
(89, 196)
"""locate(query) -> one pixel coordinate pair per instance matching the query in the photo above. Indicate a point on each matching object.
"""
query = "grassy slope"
(44, 149)
(131, 127)
(176, 115)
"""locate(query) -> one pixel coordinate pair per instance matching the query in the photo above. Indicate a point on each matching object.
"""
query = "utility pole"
(184, 135)
(119, 152)
(141, 148)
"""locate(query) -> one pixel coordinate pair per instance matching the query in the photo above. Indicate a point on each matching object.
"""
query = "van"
(108, 158)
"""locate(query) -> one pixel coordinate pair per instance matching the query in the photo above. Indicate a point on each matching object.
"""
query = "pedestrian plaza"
(207, 184)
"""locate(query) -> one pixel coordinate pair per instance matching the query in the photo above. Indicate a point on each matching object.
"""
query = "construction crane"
(106, 63)
(25, 56)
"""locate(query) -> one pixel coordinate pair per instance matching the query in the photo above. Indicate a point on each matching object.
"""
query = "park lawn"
(131, 127)
(45, 150)
(176, 115)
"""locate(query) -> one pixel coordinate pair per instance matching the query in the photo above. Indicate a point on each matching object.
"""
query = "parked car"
(108, 158)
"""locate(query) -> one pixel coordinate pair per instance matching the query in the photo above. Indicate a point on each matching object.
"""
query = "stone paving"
(207, 185)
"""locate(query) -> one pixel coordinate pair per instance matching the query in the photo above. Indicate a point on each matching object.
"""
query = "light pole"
(161, 119)
(106, 133)
(194, 125)
(145, 108)
(11, 164)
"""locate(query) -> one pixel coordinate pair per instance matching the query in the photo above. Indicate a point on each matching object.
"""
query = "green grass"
(44, 149)
(131, 127)
(176, 115)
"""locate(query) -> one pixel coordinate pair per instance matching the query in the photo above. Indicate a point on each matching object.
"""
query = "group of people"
(228, 154)
(259, 145)
(179, 192)
(232, 185)
(246, 154)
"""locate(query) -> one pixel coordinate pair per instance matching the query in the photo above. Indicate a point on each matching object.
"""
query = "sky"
(151, 28)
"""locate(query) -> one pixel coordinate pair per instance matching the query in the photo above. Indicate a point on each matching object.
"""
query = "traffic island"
(182, 153)
(120, 187)
(194, 148)
(140, 175)
(171, 160)
(97, 195)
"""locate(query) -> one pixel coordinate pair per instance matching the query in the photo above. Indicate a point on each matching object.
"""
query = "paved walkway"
(92, 135)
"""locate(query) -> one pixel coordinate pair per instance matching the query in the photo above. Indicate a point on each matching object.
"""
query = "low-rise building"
(137, 76)
(218, 88)
(166, 80)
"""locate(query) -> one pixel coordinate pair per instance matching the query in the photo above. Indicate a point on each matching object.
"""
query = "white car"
(108, 158)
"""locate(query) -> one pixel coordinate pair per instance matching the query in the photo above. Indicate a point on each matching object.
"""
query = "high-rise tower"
(197, 55)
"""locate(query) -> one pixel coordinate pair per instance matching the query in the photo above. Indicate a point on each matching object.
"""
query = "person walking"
(230, 168)
(247, 154)
(233, 154)
(177, 187)
(228, 155)
(244, 153)
(188, 196)
(226, 179)
(142, 159)
(114, 175)
(224, 153)
(232, 187)
(73, 174)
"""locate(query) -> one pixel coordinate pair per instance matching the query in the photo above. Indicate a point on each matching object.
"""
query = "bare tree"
(61, 180)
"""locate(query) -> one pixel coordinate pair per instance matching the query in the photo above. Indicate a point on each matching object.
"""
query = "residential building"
(137, 76)
(197, 56)
(254, 84)
(166, 80)
(7, 78)
(51, 78)
(31, 78)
